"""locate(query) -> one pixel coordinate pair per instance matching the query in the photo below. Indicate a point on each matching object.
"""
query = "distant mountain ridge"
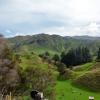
(54, 43)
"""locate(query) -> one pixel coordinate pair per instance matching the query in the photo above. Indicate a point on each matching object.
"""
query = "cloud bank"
(63, 17)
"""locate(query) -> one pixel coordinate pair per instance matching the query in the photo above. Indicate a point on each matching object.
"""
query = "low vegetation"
(90, 80)
(66, 91)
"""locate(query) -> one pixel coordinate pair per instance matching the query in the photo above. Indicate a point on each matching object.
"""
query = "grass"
(66, 91)
(43, 50)
(34, 61)
(84, 67)
(28, 60)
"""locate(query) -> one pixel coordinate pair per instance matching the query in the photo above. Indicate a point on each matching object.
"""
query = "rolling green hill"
(85, 83)
(77, 87)
(52, 43)
(65, 89)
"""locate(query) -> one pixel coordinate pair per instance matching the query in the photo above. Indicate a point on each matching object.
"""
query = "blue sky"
(62, 17)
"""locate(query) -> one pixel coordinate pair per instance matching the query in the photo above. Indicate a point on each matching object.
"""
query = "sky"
(62, 17)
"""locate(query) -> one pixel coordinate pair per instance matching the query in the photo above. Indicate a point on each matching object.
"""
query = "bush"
(67, 74)
(9, 77)
(38, 79)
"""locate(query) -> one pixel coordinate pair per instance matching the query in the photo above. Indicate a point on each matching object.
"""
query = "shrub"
(9, 77)
(67, 74)
(38, 79)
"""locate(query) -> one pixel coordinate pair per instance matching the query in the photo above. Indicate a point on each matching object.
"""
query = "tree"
(47, 53)
(98, 54)
(86, 55)
(62, 54)
(56, 58)
(69, 58)
(61, 67)
(76, 56)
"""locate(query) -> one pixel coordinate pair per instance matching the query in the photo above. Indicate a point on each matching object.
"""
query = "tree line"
(73, 57)
(76, 56)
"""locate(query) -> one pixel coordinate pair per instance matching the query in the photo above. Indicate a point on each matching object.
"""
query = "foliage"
(61, 67)
(45, 55)
(9, 77)
(37, 75)
(36, 78)
(98, 54)
(67, 74)
(53, 43)
(76, 56)
(56, 58)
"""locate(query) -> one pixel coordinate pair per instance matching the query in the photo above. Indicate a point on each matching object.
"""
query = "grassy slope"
(66, 91)
(84, 67)
(43, 50)
(32, 60)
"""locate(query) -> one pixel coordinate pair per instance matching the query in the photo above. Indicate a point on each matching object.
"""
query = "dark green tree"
(47, 53)
(69, 58)
(56, 58)
(76, 56)
(62, 54)
(98, 54)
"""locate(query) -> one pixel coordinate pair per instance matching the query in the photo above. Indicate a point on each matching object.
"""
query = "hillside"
(52, 43)
(53, 78)
(84, 83)
(35, 74)
(64, 88)
(73, 82)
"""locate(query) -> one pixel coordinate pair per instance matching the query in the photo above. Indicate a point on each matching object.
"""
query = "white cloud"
(74, 15)
(91, 29)
(88, 10)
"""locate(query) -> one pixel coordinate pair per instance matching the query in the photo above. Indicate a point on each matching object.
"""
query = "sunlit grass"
(66, 91)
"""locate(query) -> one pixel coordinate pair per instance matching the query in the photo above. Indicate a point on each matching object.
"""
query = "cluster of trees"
(51, 59)
(76, 56)
(73, 57)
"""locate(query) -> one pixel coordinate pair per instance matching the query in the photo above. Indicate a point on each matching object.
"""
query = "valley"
(40, 62)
